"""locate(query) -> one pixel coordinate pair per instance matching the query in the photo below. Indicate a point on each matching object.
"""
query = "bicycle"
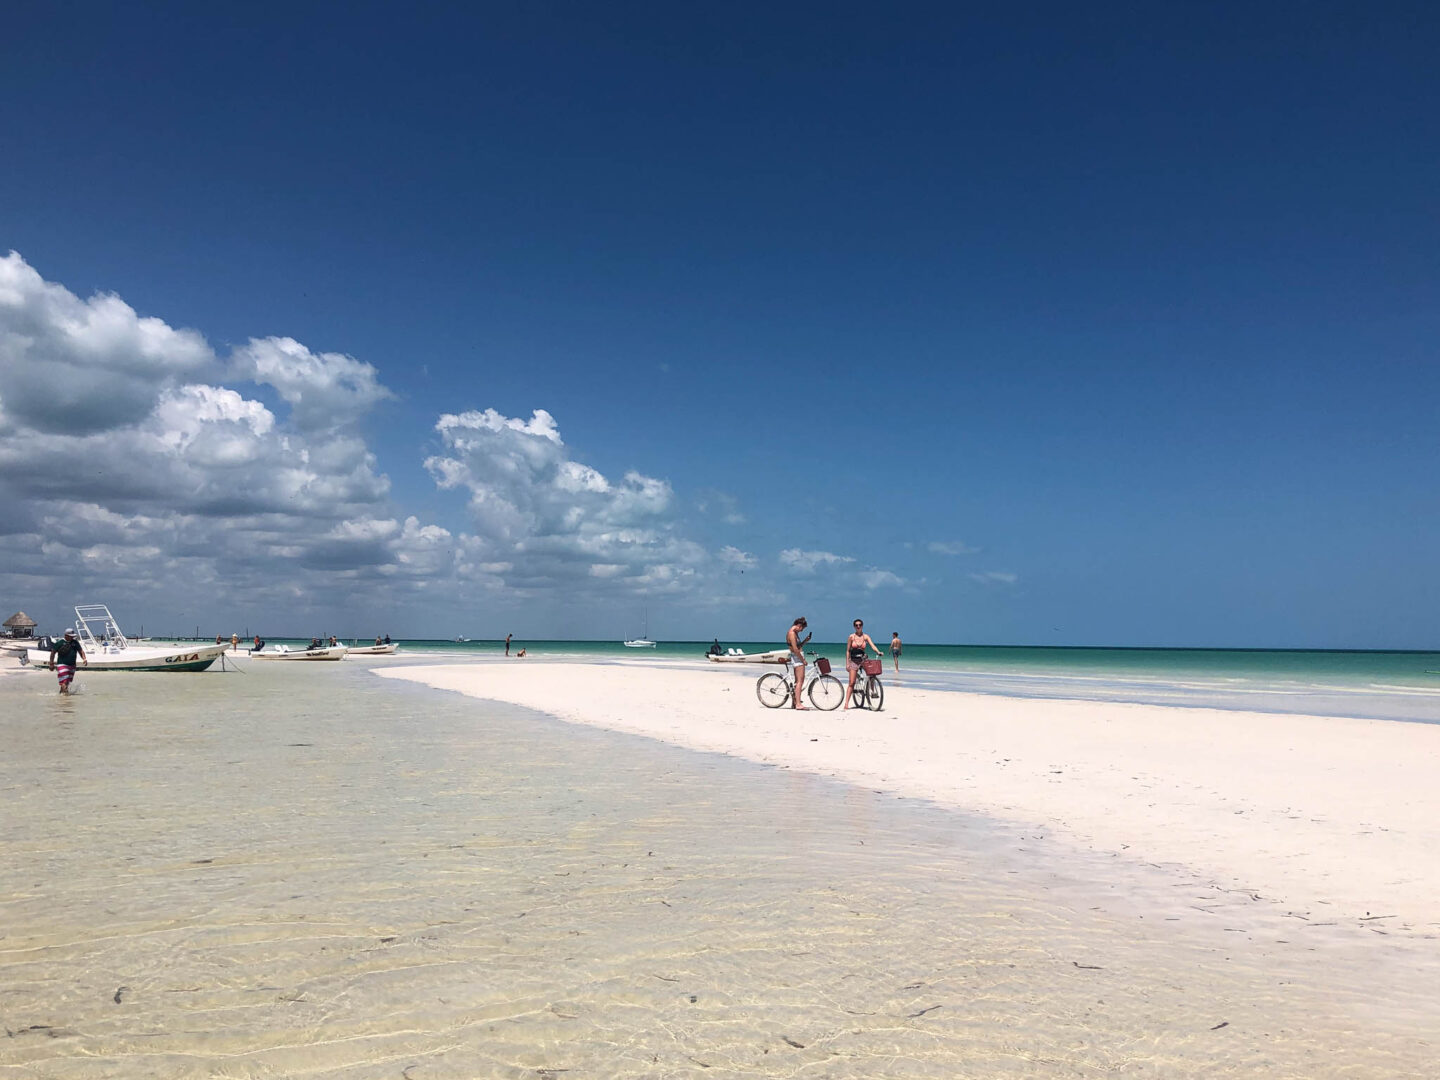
(869, 692)
(826, 692)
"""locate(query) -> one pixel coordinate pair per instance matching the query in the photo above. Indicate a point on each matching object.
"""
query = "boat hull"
(336, 652)
(141, 658)
(776, 656)
(374, 650)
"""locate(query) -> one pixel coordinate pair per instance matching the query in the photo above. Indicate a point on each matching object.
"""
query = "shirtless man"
(797, 655)
(855, 646)
(895, 647)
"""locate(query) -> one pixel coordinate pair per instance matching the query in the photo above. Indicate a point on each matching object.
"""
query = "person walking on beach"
(507, 643)
(62, 659)
(855, 646)
(797, 655)
(895, 649)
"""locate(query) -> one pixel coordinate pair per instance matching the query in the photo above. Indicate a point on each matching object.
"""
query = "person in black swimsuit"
(855, 647)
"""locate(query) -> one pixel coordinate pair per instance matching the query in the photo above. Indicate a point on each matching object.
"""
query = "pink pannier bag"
(873, 667)
(822, 665)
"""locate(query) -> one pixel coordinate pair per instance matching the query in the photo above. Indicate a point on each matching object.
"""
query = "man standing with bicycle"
(797, 654)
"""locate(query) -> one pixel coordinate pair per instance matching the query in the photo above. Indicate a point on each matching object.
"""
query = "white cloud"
(733, 556)
(874, 579)
(995, 577)
(323, 390)
(74, 367)
(806, 562)
(135, 476)
(558, 521)
(951, 547)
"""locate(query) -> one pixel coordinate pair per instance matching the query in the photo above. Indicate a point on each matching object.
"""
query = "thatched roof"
(20, 621)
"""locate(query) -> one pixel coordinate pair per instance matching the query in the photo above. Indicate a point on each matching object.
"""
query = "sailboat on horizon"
(643, 641)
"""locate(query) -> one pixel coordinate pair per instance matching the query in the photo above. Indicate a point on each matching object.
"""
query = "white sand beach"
(1328, 818)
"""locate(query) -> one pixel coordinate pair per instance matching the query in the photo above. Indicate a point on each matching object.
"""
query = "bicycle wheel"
(772, 690)
(827, 692)
(874, 693)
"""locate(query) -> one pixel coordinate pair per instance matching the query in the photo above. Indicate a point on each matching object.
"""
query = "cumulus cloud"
(806, 562)
(733, 556)
(951, 547)
(130, 471)
(77, 367)
(324, 390)
(874, 579)
(995, 577)
(556, 520)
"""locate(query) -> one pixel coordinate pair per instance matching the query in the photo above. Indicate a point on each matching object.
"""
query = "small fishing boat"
(108, 649)
(739, 656)
(386, 649)
(284, 652)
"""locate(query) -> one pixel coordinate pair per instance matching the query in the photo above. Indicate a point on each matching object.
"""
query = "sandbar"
(1326, 818)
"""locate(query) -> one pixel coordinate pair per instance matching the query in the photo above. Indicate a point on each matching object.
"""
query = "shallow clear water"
(304, 870)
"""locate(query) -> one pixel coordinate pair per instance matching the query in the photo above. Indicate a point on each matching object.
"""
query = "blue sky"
(1064, 324)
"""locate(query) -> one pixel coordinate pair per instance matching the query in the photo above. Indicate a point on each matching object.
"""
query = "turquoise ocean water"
(1370, 684)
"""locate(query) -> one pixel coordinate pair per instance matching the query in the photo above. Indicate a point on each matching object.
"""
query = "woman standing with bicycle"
(797, 655)
(855, 646)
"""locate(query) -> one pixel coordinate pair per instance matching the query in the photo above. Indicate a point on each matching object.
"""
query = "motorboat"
(108, 649)
(284, 652)
(739, 656)
(387, 649)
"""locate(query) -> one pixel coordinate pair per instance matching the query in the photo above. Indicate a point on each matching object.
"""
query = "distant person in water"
(520, 653)
(796, 644)
(507, 643)
(895, 649)
(62, 659)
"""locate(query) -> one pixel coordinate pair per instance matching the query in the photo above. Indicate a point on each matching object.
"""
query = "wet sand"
(292, 872)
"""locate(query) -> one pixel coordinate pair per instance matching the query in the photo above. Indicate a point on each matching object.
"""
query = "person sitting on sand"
(62, 659)
(855, 646)
(797, 655)
(520, 653)
(895, 649)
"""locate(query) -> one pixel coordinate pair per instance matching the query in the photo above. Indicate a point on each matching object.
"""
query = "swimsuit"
(65, 654)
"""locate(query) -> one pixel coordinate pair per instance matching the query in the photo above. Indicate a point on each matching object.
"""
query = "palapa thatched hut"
(20, 625)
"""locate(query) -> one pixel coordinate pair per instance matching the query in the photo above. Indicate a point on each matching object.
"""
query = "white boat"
(284, 652)
(643, 641)
(374, 650)
(108, 649)
(739, 656)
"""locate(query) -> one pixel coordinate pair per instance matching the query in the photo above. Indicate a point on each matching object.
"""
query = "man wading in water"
(62, 659)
